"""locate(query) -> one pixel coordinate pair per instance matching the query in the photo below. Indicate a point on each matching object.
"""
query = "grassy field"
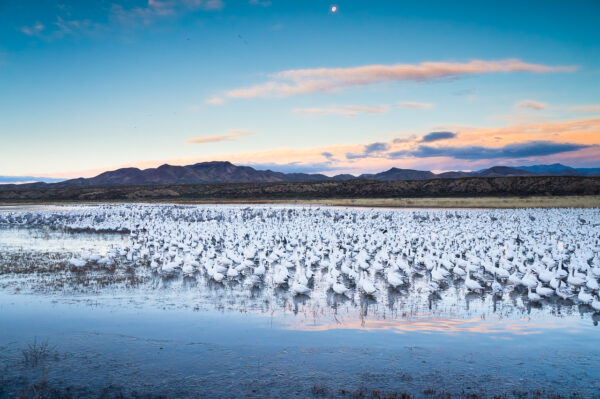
(467, 202)
(589, 201)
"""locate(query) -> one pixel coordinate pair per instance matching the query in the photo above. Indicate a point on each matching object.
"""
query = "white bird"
(546, 276)
(591, 282)
(472, 285)
(299, 289)
(497, 288)
(218, 277)
(437, 275)
(77, 262)
(188, 269)
(532, 296)
(596, 303)
(394, 279)
(584, 297)
(458, 271)
(514, 278)
(544, 291)
(529, 280)
(574, 279)
(339, 288)
(366, 286)
(563, 291)
(232, 273)
(260, 270)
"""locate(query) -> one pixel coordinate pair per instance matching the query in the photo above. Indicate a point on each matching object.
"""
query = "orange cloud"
(580, 133)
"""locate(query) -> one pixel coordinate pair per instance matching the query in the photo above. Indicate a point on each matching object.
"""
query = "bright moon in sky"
(333, 8)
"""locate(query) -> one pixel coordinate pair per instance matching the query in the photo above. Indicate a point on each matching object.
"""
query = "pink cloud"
(378, 156)
(303, 81)
(586, 108)
(215, 138)
(215, 100)
(416, 105)
(344, 110)
(531, 104)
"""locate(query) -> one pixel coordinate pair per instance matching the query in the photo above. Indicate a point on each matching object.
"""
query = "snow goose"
(544, 291)
(596, 303)
(584, 297)
(532, 296)
(472, 285)
(366, 286)
(394, 279)
(339, 288)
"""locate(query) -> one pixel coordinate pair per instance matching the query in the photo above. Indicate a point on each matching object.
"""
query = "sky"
(297, 85)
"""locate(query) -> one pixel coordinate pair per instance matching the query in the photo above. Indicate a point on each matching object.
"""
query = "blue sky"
(291, 85)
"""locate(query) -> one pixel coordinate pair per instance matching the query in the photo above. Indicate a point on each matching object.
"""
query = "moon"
(334, 9)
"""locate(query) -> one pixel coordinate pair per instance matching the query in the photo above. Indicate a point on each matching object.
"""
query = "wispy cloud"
(61, 27)
(34, 29)
(155, 9)
(215, 101)
(119, 15)
(262, 3)
(592, 108)
(344, 110)
(416, 105)
(215, 138)
(304, 81)
(531, 104)
(350, 110)
(205, 4)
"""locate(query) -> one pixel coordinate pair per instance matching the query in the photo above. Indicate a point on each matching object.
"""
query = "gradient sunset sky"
(290, 85)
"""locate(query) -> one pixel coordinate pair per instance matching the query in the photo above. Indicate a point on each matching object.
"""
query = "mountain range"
(226, 172)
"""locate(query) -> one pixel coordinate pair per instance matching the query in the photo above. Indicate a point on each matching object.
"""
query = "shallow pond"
(133, 331)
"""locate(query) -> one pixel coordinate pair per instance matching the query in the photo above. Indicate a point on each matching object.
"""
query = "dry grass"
(36, 353)
(470, 202)
(592, 201)
(48, 270)
(573, 201)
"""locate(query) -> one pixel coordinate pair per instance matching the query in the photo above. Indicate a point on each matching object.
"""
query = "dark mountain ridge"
(216, 172)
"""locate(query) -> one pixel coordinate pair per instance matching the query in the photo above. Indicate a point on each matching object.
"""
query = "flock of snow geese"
(545, 254)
